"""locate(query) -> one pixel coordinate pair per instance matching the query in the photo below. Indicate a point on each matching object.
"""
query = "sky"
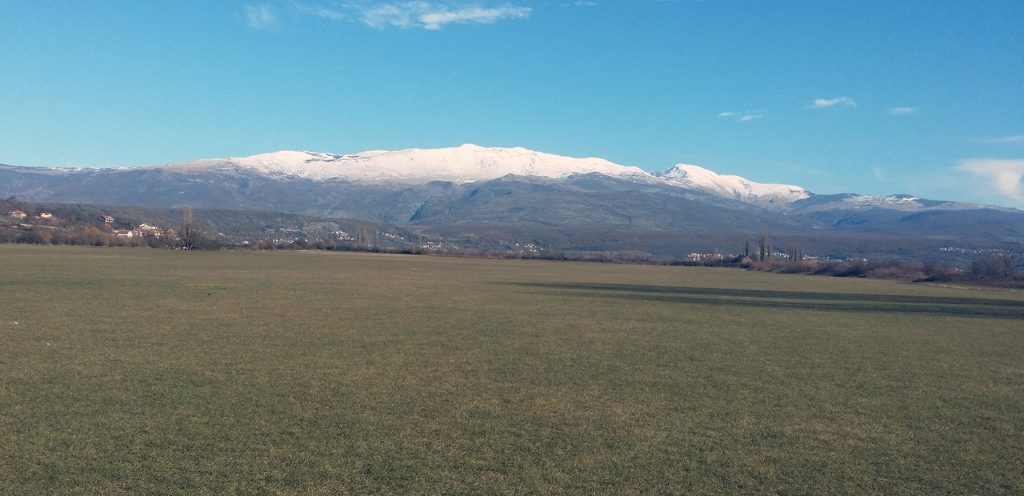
(916, 97)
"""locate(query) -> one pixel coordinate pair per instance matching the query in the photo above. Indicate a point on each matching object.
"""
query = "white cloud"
(1007, 140)
(326, 13)
(1002, 175)
(396, 15)
(584, 3)
(419, 14)
(472, 15)
(260, 16)
(842, 101)
(740, 116)
(899, 111)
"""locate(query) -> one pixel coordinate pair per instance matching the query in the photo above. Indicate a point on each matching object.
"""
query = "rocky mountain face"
(524, 194)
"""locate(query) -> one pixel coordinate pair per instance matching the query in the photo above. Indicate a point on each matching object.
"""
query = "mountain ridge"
(530, 196)
(471, 163)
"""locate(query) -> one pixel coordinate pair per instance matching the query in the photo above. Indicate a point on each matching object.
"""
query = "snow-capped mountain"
(515, 193)
(733, 187)
(904, 203)
(471, 163)
(460, 165)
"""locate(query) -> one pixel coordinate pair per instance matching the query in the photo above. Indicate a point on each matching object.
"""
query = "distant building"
(107, 219)
(124, 233)
(46, 215)
(148, 230)
(17, 214)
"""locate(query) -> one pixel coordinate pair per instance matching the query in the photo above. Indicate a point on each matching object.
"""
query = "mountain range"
(514, 194)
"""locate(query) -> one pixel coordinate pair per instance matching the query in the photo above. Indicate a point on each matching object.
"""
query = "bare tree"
(1001, 264)
(765, 252)
(1008, 262)
(189, 236)
(796, 253)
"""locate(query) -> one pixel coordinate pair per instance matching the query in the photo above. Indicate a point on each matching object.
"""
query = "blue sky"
(920, 97)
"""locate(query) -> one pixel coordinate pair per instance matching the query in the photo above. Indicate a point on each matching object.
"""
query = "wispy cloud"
(1007, 140)
(260, 16)
(901, 111)
(740, 116)
(472, 15)
(332, 14)
(584, 3)
(415, 14)
(823, 103)
(1004, 176)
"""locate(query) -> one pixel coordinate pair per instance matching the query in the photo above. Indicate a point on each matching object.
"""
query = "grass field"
(153, 371)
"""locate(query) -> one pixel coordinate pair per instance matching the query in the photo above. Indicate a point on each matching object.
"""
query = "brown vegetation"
(1001, 269)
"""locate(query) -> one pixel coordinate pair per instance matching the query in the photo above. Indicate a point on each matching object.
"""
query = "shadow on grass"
(845, 302)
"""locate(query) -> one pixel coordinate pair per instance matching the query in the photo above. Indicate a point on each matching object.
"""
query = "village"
(46, 226)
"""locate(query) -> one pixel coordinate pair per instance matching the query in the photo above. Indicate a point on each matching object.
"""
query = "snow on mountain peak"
(462, 164)
(734, 187)
(470, 163)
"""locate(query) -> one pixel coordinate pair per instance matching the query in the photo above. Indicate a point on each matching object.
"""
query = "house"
(45, 215)
(123, 233)
(107, 219)
(17, 214)
(148, 230)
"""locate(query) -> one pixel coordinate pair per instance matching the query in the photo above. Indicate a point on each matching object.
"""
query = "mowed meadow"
(154, 371)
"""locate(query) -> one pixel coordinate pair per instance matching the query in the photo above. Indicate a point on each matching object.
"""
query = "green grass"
(150, 371)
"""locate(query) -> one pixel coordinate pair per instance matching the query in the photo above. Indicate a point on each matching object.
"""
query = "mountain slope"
(735, 187)
(593, 201)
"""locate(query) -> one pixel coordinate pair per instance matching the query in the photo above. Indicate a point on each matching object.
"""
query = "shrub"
(841, 269)
(31, 237)
(798, 267)
(936, 272)
(894, 270)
